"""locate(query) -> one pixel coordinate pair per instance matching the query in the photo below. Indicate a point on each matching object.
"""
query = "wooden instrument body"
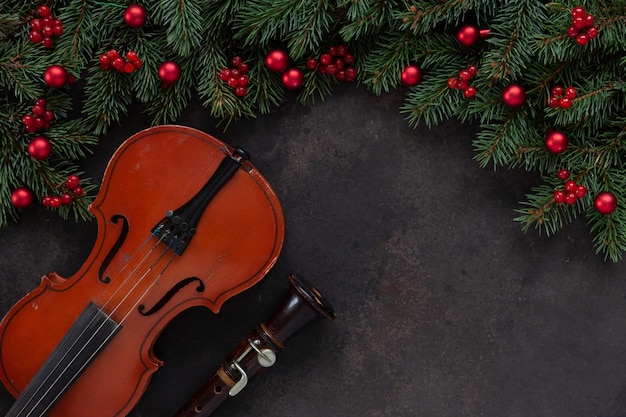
(129, 272)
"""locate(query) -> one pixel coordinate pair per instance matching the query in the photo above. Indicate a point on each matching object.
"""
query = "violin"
(184, 220)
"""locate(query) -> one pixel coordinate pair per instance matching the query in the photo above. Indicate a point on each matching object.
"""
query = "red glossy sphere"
(556, 142)
(468, 35)
(277, 60)
(55, 76)
(411, 75)
(22, 197)
(605, 202)
(514, 95)
(169, 72)
(39, 148)
(293, 78)
(135, 15)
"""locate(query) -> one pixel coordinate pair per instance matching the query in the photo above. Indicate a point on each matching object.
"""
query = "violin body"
(134, 280)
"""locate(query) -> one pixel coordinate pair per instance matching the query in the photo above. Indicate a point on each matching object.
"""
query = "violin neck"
(89, 334)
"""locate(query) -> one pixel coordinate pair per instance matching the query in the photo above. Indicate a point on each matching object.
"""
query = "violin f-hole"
(114, 249)
(168, 296)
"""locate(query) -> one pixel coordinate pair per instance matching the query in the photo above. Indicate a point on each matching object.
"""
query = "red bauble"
(556, 142)
(468, 35)
(293, 78)
(22, 197)
(55, 76)
(411, 75)
(514, 95)
(605, 202)
(135, 15)
(277, 60)
(39, 148)
(169, 72)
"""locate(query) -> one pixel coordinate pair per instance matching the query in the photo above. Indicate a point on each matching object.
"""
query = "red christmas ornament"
(169, 72)
(513, 95)
(277, 60)
(293, 78)
(468, 35)
(411, 75)
(605, 202)
(556, 142)
(39, 148)
(22, 198)
(55, 76)
(135, 15)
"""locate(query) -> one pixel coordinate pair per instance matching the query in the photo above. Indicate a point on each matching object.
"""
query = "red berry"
(47, 31)
(232, 82)
(78, 191)
(348, 58)
(47, 201)
(311, 63)
(340, 75)
(56, 202)
(35, 23)
(128, 68)
(48, 115)
(554, 102)
(571, 186)
(570, 92)
(242, 81)
(452, 82)
(578, 11)
(325, 59)
(118, 63)
(469, 92)
(241, 91)
(66, 198)
(592, 32)
(589, 20)
(572, 32)
(72, 181)
(47, 42)
(472, 70)
(582, 39)
(570, 198)
(559, 196)
(44, 10)
(236, 61)
(563, 174)
(38, 110)
(332, 51)
(565, 102)
(461, 85)
(557, 90)
(350, 74)
(243, 68)
(35, 36)
(578, 23)
(331, 69)
(338, 62)
(224, 74)
(465, 75)
(57, 30)
(342, 50)
(581, 191)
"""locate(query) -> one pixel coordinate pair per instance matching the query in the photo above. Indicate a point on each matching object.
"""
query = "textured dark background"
(444, 307)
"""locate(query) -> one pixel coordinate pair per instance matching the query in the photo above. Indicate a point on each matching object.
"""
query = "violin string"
(127, 279)
(113, 332)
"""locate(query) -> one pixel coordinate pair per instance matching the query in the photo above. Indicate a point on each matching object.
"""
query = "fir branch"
(511, 37)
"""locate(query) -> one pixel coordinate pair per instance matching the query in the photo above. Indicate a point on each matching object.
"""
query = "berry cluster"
(462, 81)
(337, 61)
(44, 29)
(71, 190)
(112, 59)
(582, 20)
(236, 76)
(571, 192)
(40, 117)
(561, 97)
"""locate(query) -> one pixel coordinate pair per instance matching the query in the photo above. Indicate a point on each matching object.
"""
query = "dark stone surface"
(444, 307)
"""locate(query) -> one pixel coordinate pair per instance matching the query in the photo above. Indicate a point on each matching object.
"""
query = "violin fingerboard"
(89, 334)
